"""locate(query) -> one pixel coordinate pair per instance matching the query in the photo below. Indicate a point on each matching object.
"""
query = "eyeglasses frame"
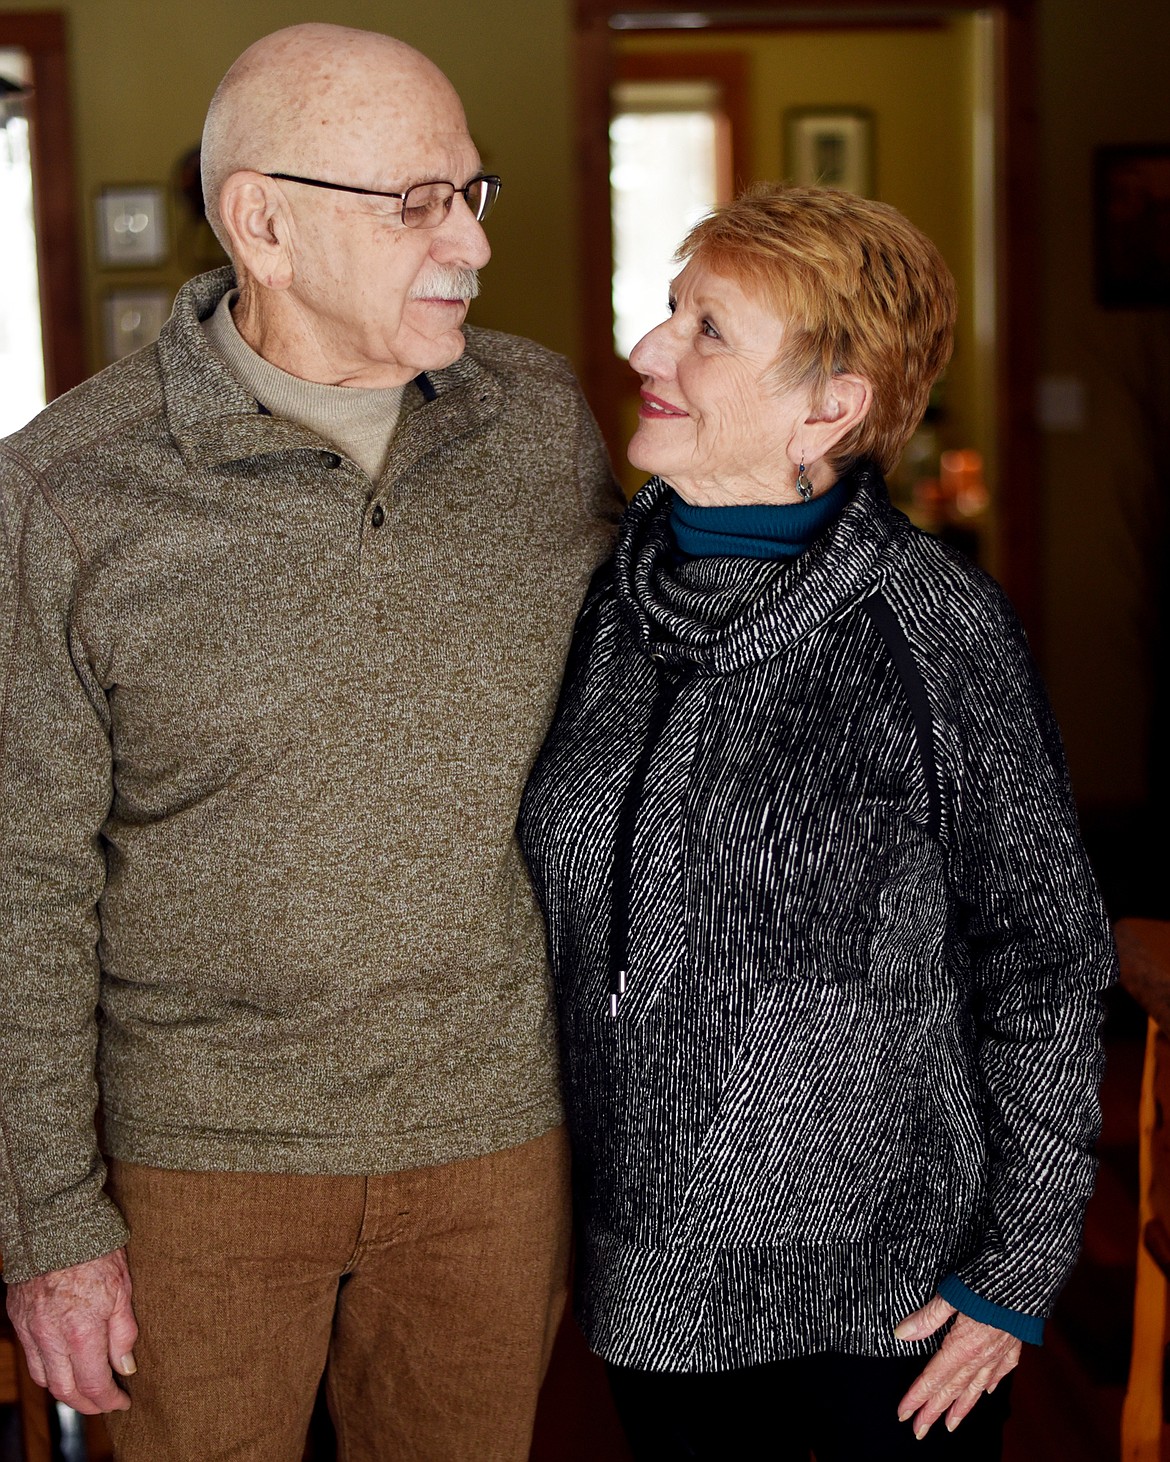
(402, 197)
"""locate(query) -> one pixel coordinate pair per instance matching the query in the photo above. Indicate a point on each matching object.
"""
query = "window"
(669, 165)
(22, 370)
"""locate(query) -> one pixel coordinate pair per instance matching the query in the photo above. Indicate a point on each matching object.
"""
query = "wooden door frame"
(1016, 164)
(41, 34)
(728, 69)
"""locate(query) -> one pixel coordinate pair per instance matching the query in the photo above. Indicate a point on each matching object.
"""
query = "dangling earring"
(803, 482)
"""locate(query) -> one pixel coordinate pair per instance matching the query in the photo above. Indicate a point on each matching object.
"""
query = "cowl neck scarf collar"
(723, 614)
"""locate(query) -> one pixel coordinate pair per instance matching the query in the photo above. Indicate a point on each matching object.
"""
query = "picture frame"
(830, 147)
(131, 226)
(1131, 226)
(132, 319)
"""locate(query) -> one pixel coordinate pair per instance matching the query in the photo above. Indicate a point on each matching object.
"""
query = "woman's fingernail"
(951, 1425)
(921, 1431)
(126, 1366)
(905, 1331)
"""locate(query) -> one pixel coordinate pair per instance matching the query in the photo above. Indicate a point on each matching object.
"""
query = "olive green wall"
(1103, 79)
(143, 70)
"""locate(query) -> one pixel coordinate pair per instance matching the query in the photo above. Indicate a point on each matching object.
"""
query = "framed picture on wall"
(132, 319)
(831, 147)
(131, 226)
(1132, 226)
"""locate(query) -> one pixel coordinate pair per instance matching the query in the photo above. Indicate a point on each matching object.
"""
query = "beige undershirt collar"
(361, 423)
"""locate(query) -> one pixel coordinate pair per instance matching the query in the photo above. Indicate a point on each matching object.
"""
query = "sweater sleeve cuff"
(82, 1233)
(1029, 1328)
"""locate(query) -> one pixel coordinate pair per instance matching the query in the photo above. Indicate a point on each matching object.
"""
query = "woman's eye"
(710, 331)
(671, 306)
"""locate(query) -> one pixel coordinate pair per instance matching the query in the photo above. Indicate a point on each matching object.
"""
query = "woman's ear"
(846, 402)
(256, 221)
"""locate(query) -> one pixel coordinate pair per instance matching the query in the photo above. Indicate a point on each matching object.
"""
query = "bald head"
(322, 100)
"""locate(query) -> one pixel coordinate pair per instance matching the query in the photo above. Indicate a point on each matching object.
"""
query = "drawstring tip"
(613, 1003)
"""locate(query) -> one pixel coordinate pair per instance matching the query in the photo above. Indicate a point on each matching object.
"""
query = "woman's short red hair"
(861, 292)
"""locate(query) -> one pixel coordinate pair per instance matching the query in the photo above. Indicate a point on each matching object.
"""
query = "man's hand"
(77, 1328)
(972, 1359)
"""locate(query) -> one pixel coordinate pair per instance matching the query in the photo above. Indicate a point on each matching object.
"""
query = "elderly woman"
(828, 953)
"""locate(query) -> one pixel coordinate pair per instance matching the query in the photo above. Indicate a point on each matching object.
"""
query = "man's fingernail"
(126, 1365)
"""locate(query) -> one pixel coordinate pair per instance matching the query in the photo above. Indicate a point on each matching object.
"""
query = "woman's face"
(712, 422)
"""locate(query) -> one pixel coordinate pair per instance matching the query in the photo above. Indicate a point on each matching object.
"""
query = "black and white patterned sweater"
(827, 949)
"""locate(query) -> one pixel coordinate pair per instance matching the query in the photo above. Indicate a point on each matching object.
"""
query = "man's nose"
(460, 239)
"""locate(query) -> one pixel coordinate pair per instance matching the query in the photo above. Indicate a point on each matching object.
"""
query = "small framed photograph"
(131, 226)
(1131, 216)
(829, 148)
(131, 319)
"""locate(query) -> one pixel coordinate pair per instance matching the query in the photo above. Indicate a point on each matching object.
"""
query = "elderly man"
(287, 598)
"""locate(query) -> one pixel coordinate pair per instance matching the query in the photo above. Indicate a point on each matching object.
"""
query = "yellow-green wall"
(143, 70)
(1103, 79)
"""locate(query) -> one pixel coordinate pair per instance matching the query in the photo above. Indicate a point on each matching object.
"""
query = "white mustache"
(444, 283)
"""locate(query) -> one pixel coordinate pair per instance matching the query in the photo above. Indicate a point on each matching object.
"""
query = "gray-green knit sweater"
(263, 735)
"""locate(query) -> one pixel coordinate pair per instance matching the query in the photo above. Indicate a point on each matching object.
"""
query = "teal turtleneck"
(756, 530)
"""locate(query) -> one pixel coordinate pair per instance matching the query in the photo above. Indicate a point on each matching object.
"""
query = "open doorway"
(967, 182)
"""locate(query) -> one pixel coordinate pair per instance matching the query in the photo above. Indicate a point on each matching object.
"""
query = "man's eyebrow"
(414, 180)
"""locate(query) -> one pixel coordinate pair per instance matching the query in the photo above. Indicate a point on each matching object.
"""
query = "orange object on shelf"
(963, 488)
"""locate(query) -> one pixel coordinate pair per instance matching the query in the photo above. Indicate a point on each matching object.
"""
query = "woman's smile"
(653, 407)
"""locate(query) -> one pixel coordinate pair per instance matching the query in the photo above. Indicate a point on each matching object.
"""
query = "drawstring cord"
(623, 856)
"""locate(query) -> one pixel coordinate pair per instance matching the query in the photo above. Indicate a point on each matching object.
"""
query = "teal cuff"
(1029, 1328)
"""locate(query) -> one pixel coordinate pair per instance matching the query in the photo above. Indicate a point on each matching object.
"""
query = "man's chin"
(443, 350)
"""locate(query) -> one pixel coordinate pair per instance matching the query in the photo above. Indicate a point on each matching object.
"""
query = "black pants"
(841, 1408)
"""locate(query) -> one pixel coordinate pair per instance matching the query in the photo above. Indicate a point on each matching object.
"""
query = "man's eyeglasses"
(425, 205)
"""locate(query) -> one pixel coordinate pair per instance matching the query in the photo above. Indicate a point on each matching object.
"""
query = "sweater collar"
(724, 614)
(215, 419)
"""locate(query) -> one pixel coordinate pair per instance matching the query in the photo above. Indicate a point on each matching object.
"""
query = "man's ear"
(256, 221)
(845, 403)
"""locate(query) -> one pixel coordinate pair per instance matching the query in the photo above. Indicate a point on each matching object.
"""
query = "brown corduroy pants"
(429, 1298)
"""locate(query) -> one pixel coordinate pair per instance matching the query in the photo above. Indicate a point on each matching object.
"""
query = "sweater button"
(331, 459)
(378, 516)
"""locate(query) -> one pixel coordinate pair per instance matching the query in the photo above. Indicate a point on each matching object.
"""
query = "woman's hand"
(972, 1359)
